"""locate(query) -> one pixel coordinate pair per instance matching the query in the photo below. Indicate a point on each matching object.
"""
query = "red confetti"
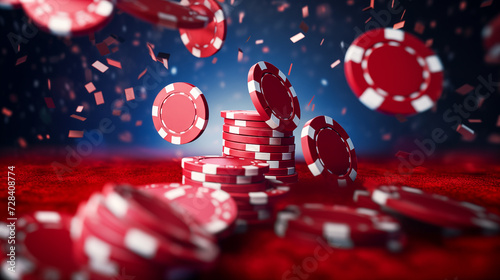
(322, 40)
(333, 65)
(90, 87)
(151, 51)
(138, 123)
(129, 94)
(475, 121)
(312, 109)
(498, 121)
(467, 133)
(305, 11)
(21, 60)
(6, 112)
(49, 102)
(463, 90)
(79, 109)
(102, 48)
(142, 74)
(100, 66)
(48, 84)
(80, 118)
(214, 60)
(240, 55)
(114, 63)
(344, 110)
(75, 134)
(290, 70)
(399, 25)
(99, 99)
(22, 142)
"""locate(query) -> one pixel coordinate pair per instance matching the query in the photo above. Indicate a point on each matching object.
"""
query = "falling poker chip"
(328, 150)
(393, 72)
(180, 113)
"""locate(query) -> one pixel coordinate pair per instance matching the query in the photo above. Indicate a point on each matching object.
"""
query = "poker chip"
(180, 113)
(281, 171)
(222, 165)
(260, 132)
(226, 179)
(10, 4)
(229, 188)
(328, 150)
(393, 72)
(273, 96)
(243, 123)
(242, 115)
(273, 164)
(435, 209)
(258, 140)
(73, 18)
(206, 41)
(258, 215)
(258, 148)
(283, 179)
(341, 226)
(258, 155)
(165, 13)
(215, 210)
(262, 198)
(491, 40)
(363, 198)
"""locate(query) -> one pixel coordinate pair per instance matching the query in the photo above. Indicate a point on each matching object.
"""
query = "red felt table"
(259, 254)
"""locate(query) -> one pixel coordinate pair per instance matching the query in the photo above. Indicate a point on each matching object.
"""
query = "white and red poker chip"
(436, 209)
(273, 96)
(226, 179)
(271, 195)
(393, 72)
(273, 164)
(242, 115)
(281, 171)
(164, 13)
(258, 148)
(180, 113)
(491, 40)
(244, 123)
(258, 155)
(10, 4)
(259, 132)
(206, 41)
(279, 141)
(229, 188)
(225, 165)
(215, 210)
(72, 18)
(328, 150)
(283, 179)
(255, 215)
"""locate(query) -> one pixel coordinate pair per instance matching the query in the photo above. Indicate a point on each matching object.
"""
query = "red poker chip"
(180, 113)
(435, 209)
(242, 115)
(78, 17)
(258, 148)
(328, 150)
(273, 96)
(243, 123)
(281, 171)
(229, 188)
(273, 164)
(225, 165)
(258, 140)
(491, 40)
(206, 41)
(226, 179)
(165, 13)
(258, 155)
(10, 4)
(393, 72)
(214, 209)
(259, 215)
(260, 132)
(283, 179)
(262, 198)
(363, 198)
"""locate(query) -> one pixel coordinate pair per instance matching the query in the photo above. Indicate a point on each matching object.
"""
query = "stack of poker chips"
(243, 179)
(246, 135)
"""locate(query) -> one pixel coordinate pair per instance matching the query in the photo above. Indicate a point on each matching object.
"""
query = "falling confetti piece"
(305, 11)
(463, 90)
(102, 48)
(344, 110)
(163, 58)
(366, 21)
(403, 15)
(129, 94)
(299, 36)
(151, 51)
(48, 84)
(47, 136)
(386, 137)
(114, 63)
(21, 60)
(333, 65)
(419, 27)
(290, 70)
(6, 112)
(467, 133)
(486, 3)
(429, 42)
(248, 39)
(40, 137)
(49, 102)
(475, 121)
(494, 138)
(125, 137)
(401, 118)
(99, 99)
(138, 123)
(312, 109)
(304, 27)
(258, 42)
(241, 16)
(90, 87)
(100, 66)
(79, 109)
(116, 112)
(22, 142)
(310, 101)
(142, 74)
(80, 118)
(399, 25)
(214, 60)
(75, 134)
(240, 55)
(322, 40)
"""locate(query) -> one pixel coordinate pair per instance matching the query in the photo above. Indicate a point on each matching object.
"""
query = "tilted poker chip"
(328, 150)
(222, 165)
(280, 141)
(229, 188)
(180, 113)
(283, 179)
(491, 40)
(77, 17)
(165, 13)
(271, 195)
(258, 148)
(281, 171)
(214, 209)
(259, 132)
(206, 41)
(243, 123)
(273, 96)
(393, 72)
(10, 4)
(242, 115)
(226, 179)
(435, 209)
(257, 155)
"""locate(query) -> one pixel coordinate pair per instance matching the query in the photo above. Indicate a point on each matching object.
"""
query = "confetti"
(322, 40)
(21, 60)
(241, 16)
(494, 138)
(99, 99)
(90, 87)
(248, 38)
(6, 112)
(48, 84)
(466, 132)
(305, 11)
(49, 102)
(386, 137)
(22, 142)
(129, 94)
(214, 60)
(475, 121)
(142, 73)
(404, 12)
(366, 21)
(399, 25)
(40, 137)
(419, 27)
(299, 36)
(80, 118)
(163, 58)
(102, 48)
(240, 55)
(290, 70)
(100, 66)
(486, 3)
(304, 27)
(114, 63)
(333, 65)
(344, 110)
(310, 101)
(75, 134)
(463, 90)
(258, 42)
(498, 121)
(151, 51)
(79, 109)
(125, 137)
(138, 123)
(312, 109)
